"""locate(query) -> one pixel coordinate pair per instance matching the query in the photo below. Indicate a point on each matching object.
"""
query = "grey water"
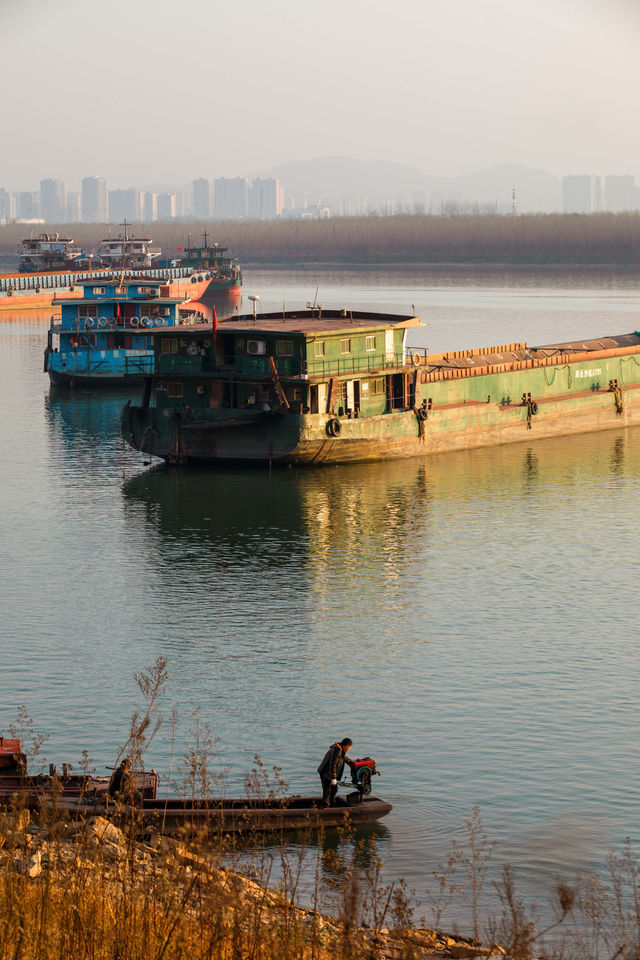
(469, 620)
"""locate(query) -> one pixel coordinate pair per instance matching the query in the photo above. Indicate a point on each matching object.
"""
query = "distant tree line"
(605, 238)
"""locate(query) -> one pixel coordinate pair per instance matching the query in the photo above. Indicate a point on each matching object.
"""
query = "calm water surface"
(470, 621)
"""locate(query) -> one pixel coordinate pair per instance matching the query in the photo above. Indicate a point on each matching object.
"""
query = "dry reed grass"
(541, 239)
(97, 889)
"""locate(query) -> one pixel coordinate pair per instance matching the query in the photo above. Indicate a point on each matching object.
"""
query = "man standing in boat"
(331, 768)
(121, 780)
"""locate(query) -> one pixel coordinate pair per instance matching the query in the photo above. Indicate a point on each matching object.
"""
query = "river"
(469, 621)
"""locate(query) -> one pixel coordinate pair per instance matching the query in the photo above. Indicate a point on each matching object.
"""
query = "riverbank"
(526, 240)
(94, 890)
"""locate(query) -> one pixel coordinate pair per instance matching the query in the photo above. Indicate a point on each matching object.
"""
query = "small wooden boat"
(242, 815)
(34, 791)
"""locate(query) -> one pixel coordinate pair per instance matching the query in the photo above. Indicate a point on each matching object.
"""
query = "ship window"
(369, 343)
(378, 385)
(87, 310)
(99, 291)
(284, 348)
(345, 346)
(169, 345)
(174, 389)
(318, 348)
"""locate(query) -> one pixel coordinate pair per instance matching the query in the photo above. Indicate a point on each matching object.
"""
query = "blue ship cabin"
(103, 335)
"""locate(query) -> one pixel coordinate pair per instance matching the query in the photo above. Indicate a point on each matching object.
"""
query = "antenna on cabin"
(315, 305)
(125, 225)
(254, 300)
(205, 239)
(513, 202)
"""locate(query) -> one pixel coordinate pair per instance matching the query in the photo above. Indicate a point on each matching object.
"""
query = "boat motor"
(363, 769)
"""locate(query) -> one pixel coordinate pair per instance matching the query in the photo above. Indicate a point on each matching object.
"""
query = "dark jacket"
(119, 781)
(332, 763)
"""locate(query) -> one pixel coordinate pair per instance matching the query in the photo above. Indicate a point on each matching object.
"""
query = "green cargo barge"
(334, 386)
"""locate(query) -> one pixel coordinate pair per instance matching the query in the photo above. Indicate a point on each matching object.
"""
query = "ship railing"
(371, 363)
(416, 356)
(138, 366)
(168, 364)
(54, 281)
(87, 363)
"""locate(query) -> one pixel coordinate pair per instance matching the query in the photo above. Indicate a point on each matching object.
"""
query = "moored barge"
(103, 338)
(333, 386)
(50, 267)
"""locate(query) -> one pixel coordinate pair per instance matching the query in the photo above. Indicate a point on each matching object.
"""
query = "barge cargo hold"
(336, 386)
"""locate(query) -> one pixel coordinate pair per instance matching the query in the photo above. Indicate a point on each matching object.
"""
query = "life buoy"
(193, 279)
(102, 321)
(111, 322)
(88, 323)
(417, 359)
(9, 292)
(133, 321)
(144, 322)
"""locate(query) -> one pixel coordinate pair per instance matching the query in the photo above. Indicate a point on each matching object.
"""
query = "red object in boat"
(11, 756)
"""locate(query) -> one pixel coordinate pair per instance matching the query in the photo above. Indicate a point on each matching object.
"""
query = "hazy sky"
(150, 91)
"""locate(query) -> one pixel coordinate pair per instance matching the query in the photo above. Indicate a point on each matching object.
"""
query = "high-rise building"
(150, 207)
(27, 207)
(166, 206)
(95, 202)
(230, 198)
(264, 199)
(620, 193)
(7, 206)
(74, 208)
(201, 199)
(125, 204)
(581, 193)
(53, 200)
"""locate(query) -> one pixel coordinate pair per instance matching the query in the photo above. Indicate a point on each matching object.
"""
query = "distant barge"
(333, 386)
(51, 266)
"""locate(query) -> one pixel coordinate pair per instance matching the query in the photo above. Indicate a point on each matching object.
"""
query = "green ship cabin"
(275, 387)
(333, 386)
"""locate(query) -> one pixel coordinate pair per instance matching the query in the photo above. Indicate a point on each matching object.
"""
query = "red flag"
(179, 248)
(118, 313)
(215, 323)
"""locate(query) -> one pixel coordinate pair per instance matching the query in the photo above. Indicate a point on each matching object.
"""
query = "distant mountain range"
(346, 180)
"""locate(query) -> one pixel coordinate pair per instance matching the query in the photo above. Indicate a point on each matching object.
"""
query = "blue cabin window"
(99, 291)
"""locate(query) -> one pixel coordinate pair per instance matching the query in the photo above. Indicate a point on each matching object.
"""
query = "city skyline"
(264, 198)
